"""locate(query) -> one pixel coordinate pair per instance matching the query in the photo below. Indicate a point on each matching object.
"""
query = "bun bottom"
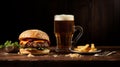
(35, 52)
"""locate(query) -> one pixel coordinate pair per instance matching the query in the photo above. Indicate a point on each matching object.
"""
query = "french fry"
(76, 49)
(92, 48)
(79, 47)
(86, 48)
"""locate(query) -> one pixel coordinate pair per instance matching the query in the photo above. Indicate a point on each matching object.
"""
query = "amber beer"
(63, 30)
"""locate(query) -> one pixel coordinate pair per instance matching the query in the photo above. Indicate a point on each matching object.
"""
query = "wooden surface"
(62, 57)
(52, 59)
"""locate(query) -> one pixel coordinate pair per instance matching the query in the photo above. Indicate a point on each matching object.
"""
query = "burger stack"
(34, 41)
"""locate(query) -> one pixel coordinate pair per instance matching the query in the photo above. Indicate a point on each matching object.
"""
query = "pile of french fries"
(86, 48)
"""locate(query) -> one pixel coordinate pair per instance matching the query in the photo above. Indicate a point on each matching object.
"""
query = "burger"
(34, 41)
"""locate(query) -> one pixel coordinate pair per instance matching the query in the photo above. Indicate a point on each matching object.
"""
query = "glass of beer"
(64, 30)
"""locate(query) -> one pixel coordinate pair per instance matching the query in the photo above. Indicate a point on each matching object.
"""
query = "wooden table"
(53, 59)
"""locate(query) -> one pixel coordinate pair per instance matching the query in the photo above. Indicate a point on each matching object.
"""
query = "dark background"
(99, 18)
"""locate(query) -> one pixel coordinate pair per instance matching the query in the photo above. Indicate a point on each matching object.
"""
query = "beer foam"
(64, 17)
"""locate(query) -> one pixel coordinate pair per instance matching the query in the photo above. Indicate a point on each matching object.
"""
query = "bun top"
(34, 33)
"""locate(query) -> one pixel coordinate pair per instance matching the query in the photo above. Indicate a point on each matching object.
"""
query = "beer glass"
(64, 30)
